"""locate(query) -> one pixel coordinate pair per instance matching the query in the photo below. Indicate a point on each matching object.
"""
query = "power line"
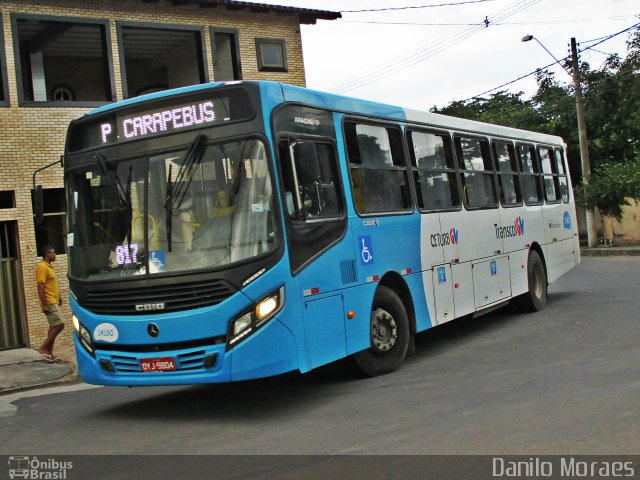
(420, 55)
(602, 40)
(453, 4)
(549, 22)
(413, 23)
(600, 51)
(347, 85)
(612, 35)
(514, 80)
(607, 37)
(547, 112)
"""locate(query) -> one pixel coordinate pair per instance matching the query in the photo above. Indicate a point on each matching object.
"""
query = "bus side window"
(476, 172)
(549, 175)
(433, 170)
(529, 174)
(378, 175)
(505, 156)
(562, 176)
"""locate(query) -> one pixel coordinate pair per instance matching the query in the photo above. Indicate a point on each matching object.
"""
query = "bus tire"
(536, 298)
(389, 334)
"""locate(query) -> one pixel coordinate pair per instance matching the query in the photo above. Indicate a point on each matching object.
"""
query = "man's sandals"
(50, 358)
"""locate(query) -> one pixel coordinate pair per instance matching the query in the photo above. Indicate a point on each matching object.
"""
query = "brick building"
(61, 58)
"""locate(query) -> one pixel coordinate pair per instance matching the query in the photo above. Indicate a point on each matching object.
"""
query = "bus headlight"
(242, 323)
(85, 338)
(250, 321)
(83, 334)
(267, 307)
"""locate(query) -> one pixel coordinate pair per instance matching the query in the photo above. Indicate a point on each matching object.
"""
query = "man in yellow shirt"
(50, 300)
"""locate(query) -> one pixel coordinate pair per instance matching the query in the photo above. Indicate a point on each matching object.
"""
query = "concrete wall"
(625, 232)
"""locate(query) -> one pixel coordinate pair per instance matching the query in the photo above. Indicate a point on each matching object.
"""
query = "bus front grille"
(194, 360)
(157, 298)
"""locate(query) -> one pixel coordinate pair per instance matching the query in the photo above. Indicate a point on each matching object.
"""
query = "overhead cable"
(453, 4)
(420, 55)
(602, 40)
(547, 22)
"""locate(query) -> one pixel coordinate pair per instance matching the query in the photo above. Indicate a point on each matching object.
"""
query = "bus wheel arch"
(538, 249)
(395, 282)
(535, 298)
(391, 333)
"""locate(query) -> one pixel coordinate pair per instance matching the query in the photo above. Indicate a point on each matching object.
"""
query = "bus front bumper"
(269, 351)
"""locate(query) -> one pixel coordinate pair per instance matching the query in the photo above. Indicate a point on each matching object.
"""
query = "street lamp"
(592, 234)
(528, 38)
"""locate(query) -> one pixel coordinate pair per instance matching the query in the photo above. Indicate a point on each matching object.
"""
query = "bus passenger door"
(556, 214)
(319, 257)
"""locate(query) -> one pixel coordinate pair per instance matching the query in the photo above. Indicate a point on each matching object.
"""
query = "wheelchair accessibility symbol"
(366, 250)
(157, 261)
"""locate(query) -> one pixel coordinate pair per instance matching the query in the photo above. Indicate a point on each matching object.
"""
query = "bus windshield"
(202, 206)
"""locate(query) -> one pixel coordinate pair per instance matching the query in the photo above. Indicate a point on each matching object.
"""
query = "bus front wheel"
(389, 334)
(536, 298)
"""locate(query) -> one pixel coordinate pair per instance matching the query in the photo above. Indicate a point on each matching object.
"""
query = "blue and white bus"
(231, 231)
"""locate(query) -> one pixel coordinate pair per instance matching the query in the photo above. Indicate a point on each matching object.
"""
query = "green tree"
(612, 105)
(501, 108)
(609, 186)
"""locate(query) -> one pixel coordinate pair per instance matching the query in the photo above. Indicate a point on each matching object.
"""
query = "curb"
(610, 251)
(74, 378)
(71, 376)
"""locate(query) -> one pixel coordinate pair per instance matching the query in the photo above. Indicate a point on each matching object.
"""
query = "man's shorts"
(54, 316)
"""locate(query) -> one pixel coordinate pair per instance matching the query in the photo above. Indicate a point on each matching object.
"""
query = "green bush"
(609, 186)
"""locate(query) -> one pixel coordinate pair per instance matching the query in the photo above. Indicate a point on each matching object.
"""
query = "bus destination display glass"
(168, 116)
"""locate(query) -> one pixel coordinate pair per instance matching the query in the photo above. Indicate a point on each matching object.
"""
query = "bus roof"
(355, 106)
(365, 107)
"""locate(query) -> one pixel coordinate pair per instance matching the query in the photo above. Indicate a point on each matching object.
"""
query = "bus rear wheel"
(536, 298)
(389, 334)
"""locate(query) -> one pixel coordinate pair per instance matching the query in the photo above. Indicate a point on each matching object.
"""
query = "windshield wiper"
(128, 208)
(177, 191)
(121, 192)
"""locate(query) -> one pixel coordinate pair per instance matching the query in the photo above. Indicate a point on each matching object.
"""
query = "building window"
(476, 173)
(62, 93)
(434, 171)
(4, 96)
(160, 57)
(272, 55)
(53, 230)
(378, 174)
(55, 52)
(8, 199)
(226, 55)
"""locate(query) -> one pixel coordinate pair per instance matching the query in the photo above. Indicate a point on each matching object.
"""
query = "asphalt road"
(562, 381)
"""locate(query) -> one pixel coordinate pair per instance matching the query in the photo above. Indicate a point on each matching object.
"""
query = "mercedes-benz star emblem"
(153, 330)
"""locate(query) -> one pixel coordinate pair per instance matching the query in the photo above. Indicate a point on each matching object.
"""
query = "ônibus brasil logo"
(444, 239)
(515, 230)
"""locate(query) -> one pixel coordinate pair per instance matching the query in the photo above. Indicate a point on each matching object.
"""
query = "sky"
(421, 57)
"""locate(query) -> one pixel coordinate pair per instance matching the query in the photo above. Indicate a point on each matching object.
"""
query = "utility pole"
(592, 233)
